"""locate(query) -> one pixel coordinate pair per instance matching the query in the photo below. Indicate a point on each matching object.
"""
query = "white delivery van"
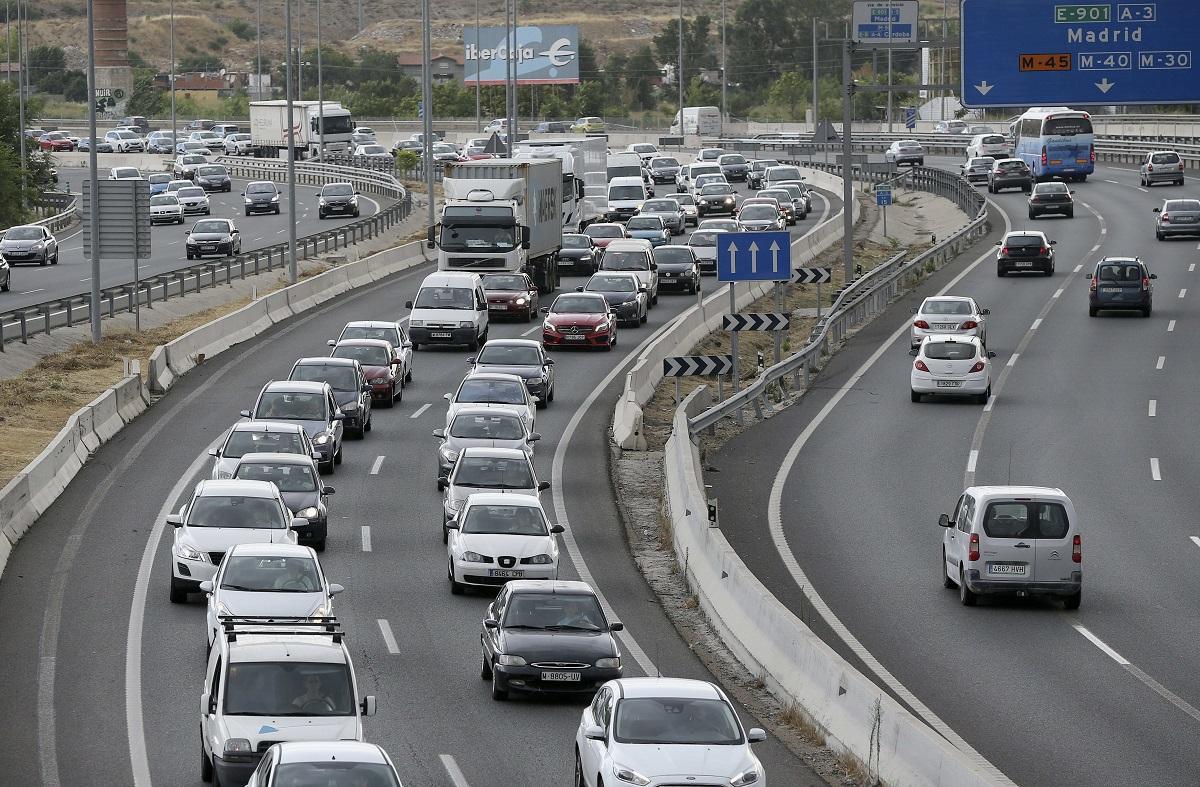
(705, 121)
(450, 308)
(625, 198)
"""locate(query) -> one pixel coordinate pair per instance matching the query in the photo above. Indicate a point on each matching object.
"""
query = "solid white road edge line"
(385, 630)
(972, 458)
(453, 771)
(1112, 654)
(421, 410)
(1036, 323)
(378, 464)
(1195, 540)
(1136, 672)
(366, 538)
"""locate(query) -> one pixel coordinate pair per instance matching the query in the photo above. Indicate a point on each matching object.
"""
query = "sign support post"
(733, 347)
(778, 334)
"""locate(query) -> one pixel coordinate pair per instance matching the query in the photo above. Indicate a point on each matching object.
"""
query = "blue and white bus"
(1056, 142)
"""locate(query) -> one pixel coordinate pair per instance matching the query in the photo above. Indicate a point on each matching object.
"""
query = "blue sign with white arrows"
(1072, 54)
(754, 256)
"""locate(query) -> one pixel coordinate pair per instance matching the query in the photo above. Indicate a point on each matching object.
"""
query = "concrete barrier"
(159, 374)
(105, 418)
(132, 398)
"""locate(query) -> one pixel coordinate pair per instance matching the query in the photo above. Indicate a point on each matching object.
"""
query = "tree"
(641, 73)
(698, 52)
(147, 99)
(770, 37)
(589, 69)
(75, 86)
(46, 67)
(789, 93)
(590, 99)
(199, 62)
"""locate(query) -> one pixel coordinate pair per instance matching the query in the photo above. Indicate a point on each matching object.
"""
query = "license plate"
(440, 334)
(1182, 220)
(573, 338)
(506, 573)
(1055, 161)
(1110, 289)
(1007, 569)
(948, 383)
(1025, 264)
(944, 326)
(565, 677)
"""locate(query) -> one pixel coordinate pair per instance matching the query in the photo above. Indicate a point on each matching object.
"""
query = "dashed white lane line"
(1195, 540)
(531, 330)
(1144, 191)
(991, 402)
(421, 409)
(378, 464)
(1036, 323)
(972, 458)
(1192, 267)
(1155, 474)
(1171, 326)
(1133, 670)
(1161, 360)
(31, 292)
(1013, 360)
(453, 771)
(366, 538)
(1152, 410)
(1058, 292)
(389, 640)
(1112, 654)
(1115, 182)
(1079, 267)
(1183, 292)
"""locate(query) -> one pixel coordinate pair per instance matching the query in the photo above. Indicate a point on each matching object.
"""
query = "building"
(446, 68)
(206, 90)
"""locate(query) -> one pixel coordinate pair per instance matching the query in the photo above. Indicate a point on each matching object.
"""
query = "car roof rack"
(300, 625)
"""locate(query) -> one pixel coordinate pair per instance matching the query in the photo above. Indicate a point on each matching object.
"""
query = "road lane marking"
(1161, 360)
(453, 771)
(1196, 540)
(1013, 359)
(1183, 292)
(972, 458)
(1192, 267)
(421, 409)
(1036, 323)
(1133, 670)
(1170, 326)
(1112, 654)
(366, 538)
(987, 408)
(1079, 267)
(1154, 471)
(1144, 191)
(31, 292)
(1153, 409)
(1058, 292)
(531, 330)
(385, 629)
(375, 467)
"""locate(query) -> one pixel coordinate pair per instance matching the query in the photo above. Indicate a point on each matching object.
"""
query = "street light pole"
(679, 75)
(293, 273)
(478, 120)
(724, 79)
(93, 183)
(171, 76)
(258, 47)
(22, 21)
(427, 114)
(816, 98)
(320, 88)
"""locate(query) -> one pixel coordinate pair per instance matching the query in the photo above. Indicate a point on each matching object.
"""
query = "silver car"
(976, 170)
(499, 470)
(5, 276)
(687, 203)
(948, 314)
(258, 437)
(486, 427)
(29, 243)
(1176, 217)
(1161, 166)
(906, 151)
(669, 209)
(704, 244)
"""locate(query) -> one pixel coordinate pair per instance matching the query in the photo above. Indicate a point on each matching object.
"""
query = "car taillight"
(1149, 167)
(1145, 283)
(920, 366)
(1043, 155)
(1003, 251)
(1077, 550)
(1044, 251)
(921, 324)
(968, 325)
(978, 367)
(973, 548)
(1166, 218)
(1093, 154)
(1093, 283)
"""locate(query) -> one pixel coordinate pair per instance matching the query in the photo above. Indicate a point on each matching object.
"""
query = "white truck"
(269, 128)
(704, 121)
(501, 215)
(585, 181)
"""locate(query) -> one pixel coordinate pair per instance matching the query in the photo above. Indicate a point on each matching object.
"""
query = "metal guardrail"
(64, 203)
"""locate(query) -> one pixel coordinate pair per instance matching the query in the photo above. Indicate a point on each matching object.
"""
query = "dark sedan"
(548, 636)
(510, 295)
(578, 255)
(299, 481)
(678, 268)
(663, 169)
(378, 359)
(213, 177)
(337, 199)
(1009, 173)
(716, 198)
(213, 237)
(579, 320)
(348, 380)
(734, 166)
(261, 196)
(758, 170)
(526, 358)
(1051, 198)
(624, 294)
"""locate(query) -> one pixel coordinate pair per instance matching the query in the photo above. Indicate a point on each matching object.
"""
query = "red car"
(379, 364)
(510, 295)
(579, 319)
(605, 233)
(56, 141)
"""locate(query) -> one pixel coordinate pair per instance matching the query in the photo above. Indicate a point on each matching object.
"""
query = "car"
(1051, 197)
(1007, 173)
(579, 254)
(219, 515)
(1177, 217)
(948, 314)
(373, 152)
(56, 141)
(664, 731)
(976, 169)
(705, 179)
(186, 165)
(476, 153)
(734, 166)
(758, 170)
(553, 127)
(325, 762)
(979, 129)
(238, 145)
(158, 182)
(199, 124)
(213, 177)
(636, 256)
(646, 226)
(645, 151)
(603, 233)
(261, 196)
(725, 225)
(506, 471)
(950, 127)
(389, 331)
(380, 365)
(223, 130)
(905, 151)
(445, 151)
(125, 142)
(668, 209)
(209, 138)
(192, 147)
(365, 131)
(678, 268)
(711, 155)
(685, 180)
(1021, 540)
(497, 125)
(249, 437)
(991, 145)
(524, 358)
(662, 169)
(703, 244)
(1121, 283)
(687, 203)
(548, 636)
(502, 391)
(351, 390)
(340, 199)
(625, 294)
(1161, 166)
(5, 275)
(510, 295)
(102, 145)
(489, 427)
(298, 479)
(716, 198)
(193, 199)
(951, 365)
(407, 144)
(761, 218)
(165, 209)
(579, 320)
(357, 139)
(1025, 250)
(162, 142)
(801, 195)
(212, 236)
(29, 243)
(173, 186)
(783, 201)
(313, 406)
(508, 531)
(588, 125)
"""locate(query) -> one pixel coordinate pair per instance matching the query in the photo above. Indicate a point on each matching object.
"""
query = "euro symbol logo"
(558, 53)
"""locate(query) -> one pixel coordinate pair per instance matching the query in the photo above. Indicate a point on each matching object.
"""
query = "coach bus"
(1056, 142)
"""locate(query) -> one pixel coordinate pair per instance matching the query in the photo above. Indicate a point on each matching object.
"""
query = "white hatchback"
(990, 145)
(948, 365)
(953, 314)
(502, 471)
(500, 537)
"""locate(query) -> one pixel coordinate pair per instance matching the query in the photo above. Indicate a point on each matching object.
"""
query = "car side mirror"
(442, 484)
(544, 310)
(1053, 243)
(243, 193)
(491, 623)
(447, 397)
(549, 362)
(944, 520)
(452, 524)
(756, 735)
(214, 452)
(439, 433)
(912, 310)
(1158, 210)
(595, 732)
(368, 705)
(914, 352)
(577, 289)
(316, 455)
(206, 586)
(543, 486)
(1072, 192)
(244, 413)
(533, 438)
(1087, 275)
(991, 354)
(188, 232)
(986, 312)
(1153, 275)
(335, 588)
(642, 289)
(524, 237)
(339, 416)
(408, 304)
(366, 387)
(328, 490)
(299, 522)
(471, 361)
(331, 342)
(558, 529)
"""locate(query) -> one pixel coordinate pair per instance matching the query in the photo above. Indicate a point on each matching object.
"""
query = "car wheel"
(320, 216)
(1000, 272)
(7, 284)
(1146, 312)
(1092, 311)
(1032, 215)
(1071, 213)
(248, 212)
(337, 457)
(276, 210)
(319, 545)
(368, 426)
(914, 396)
(415, 346)
(965, 596)
(455, 587)
(1158, 235)
(550, 396)
(206, 767)
(45, 260)
(578, 771)
(983, 397)
(947, 582)
(1072, 601)
(654, 300)
(178, 594)
(485, 668)
(398, 391)
(498, 694)
(445, 533)
(55, 257)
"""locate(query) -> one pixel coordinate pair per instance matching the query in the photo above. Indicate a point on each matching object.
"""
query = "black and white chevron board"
(771, 321)
(691, 365)
(811, 275)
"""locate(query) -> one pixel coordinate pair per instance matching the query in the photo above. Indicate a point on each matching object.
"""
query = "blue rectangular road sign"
(883, 198)
(910, 117)
(1080, 53)
(754, 256)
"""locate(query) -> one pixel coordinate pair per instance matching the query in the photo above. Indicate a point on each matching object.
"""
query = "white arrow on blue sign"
(754, 256)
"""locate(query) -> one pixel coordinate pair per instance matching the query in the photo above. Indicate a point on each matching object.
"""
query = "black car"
(1010, 173)
(299, 483)
(663, 169)
(716, 198)
(525, 358)
(261, 196)
(213, 177)
(578, 255)
(1025, 251)
(758, 170)
(351, 390)
(213, 236)
(623, 293)
(548, 636)
(337, 199)
(1123, 283)
(1051, 198)
(734, 166)
(678, 268)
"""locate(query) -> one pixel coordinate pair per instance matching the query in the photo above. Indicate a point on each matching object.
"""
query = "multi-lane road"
(843, 492)
(103, 673)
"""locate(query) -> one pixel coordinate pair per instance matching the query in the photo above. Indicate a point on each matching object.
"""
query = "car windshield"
(783, 173)
(554, 611)
(685, 199)
(673, 255)
(644, 147)
(625, 261)
(340, 378)
(194, 159)
(980, 162)
(509, 355)
(372, 149)
(176, 185)
(476, 238)
(675, 721)
(732, 158)
(781, 194)
(576, 242)
(241, 443)
(1025, 241)
(366, 354)
(659, 206)
(288, 688)
(753, 212)
(164, 199)
(1010, 166)
(338, 190)
(950, 351)
(287, 477)
(127, 172)
(626, 192)
(489, 472)
(491, 392)
(992, 139)
(707, 238)
(24, 233)
(1025, 519)
(1164, 158)
(213, 170)
(384, 333)
(457, 298)
(644, 223)
(203, 227)
(196, 191)
(161, 177)
(487, 427)
(578, 304)
(1131, 272)
(236, 511)
(943, 306)
(611, 284)
(605, 231)
(1051, 188)
(260, 188)
(505, 520)
(716, 189)
(335, 773)
(291, 406)
(506, 282)
(127, 135)
(1187, 205)
(663, 163)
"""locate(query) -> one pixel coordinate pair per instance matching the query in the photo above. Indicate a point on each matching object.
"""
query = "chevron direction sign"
(771, 321)
(691, 365)
(754, 256)
(812, 275)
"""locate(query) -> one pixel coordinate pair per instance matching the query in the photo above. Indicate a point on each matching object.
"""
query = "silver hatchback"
(1177, 217)
(948, 314)
(1161, 166)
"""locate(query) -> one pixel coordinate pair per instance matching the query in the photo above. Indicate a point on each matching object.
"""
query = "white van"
(625, 198)
(450, 309)
(705, 121)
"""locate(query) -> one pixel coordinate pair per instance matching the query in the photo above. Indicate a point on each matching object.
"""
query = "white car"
(722, 225)
(165, 209)
(211, 139)
(125, 173)
(704, 245)
(258, 437)
(993, 145)
(373, 153)
(238, 144)
(952, 365)
(665, 731)
(644, 150)
(498, 537)
(948, 314)
(683, 181)
(220, 515)
(499, 470)
(492, 389)
(905, 151)
(268, 580)
(174, 186)
(707, 179)
(125, 142)
(636, 256)
(194, 200)
(710, 154)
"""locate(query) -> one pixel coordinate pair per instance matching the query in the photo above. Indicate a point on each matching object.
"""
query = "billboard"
(546, 55)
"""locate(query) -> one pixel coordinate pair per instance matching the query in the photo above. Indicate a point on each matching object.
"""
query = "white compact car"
(165, 209)
(194, 200)
(664, 731)
(991, 145)
(496, 390)
(949, 365)
(948, 314)
(498, 537)
(1021, 540)
(505, 471)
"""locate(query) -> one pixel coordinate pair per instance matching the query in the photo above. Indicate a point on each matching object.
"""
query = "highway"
(73, 275)
(106, 673)
(842, 493)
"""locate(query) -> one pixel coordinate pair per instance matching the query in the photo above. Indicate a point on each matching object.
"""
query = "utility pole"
(22, 21)
(293, 273)
(258, 47)
(360, 16)
(427, 115)
(724, 79)
(320, 88)
(847, 163)
(8, 43)
(815, 98)
(171, 76)
(889, 93)
(478, 116)
(93, 183)
(679, 74)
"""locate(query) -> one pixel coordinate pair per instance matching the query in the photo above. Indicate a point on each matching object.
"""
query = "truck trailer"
(269, 128)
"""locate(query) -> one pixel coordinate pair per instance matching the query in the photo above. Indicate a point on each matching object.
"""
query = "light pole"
(679, 74)
(93, 183)
(724, 79)
(478, 117)
(320, 88)
(21, 84)
(171, 76)
(257, 47)
(427, 113)
(816, 97)
(293, 274)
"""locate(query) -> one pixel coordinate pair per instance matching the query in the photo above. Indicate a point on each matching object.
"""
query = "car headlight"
(310, 513)
(321, 439)
(449, 454)
(629, 775)
(539, 560)
(728, 200)
(321, 201)
(746, 777)
(416, 323)
(610, 663)
(549, 326)
(471, 557)
(587, 257)
(520, 301)
(465, 324)
(222, 609)
(249, 201)
(509, 660)
(601, 327)
(189, 552)
(38, 246)
(191, 241)
(242, 746)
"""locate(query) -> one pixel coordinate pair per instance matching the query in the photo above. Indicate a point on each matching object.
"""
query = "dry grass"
(794, 717)
(855, 772)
